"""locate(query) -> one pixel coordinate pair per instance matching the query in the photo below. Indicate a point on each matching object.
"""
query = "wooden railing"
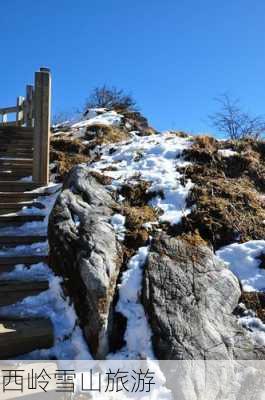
(33, 111)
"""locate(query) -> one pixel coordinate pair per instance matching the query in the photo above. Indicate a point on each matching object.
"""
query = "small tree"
(236, 123)
(112, 98)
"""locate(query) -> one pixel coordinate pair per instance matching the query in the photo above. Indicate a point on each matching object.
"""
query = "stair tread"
(19, 195)
(20, 336)
(20, 186)
(21, 218)
(21, 203)
(25, 260)
(14, 291)
(22, 239)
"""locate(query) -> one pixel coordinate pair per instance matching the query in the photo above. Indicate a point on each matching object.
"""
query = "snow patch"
(241, 258)
(109, 118)
(154, 159)
(69, 341)
(118, 223)
(227, 152)
(138, 333)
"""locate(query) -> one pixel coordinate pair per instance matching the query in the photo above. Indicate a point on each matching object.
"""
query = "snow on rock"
(118, 222)
(138, 333)
(109, 118)
(243, 262)
(154, 159)
(253, 325)
(227, 152)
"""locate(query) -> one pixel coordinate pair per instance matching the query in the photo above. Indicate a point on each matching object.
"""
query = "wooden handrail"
(34, 111)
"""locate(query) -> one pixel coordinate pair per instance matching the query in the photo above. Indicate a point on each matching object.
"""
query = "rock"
(84, 250)
(189, 296)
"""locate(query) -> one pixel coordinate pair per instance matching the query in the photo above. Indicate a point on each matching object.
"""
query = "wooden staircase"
(23, 154)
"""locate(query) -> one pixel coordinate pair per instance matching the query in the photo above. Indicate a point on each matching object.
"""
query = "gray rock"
(84, 250)
(189, 296)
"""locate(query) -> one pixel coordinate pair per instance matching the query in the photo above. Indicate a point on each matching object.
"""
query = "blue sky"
(174, 56)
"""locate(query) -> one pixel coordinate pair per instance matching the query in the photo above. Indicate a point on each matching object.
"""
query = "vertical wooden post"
(4, 118)
(28, 107)
(19, 113)
(42, 116)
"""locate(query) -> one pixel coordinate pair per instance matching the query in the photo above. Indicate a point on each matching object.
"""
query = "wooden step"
(15, 138)
(11, 130)
(15, 167)
(13, 291)
(19, 240)
(8, 263)
(7, 208)
(18, 186)
(19, 219)
(15, 142)
(13, 147)
(14, 151)
(15, 160)
(6, 197)
(10, 205)
(21, 336)
(13, 176)
(28, 155)
(7, 170)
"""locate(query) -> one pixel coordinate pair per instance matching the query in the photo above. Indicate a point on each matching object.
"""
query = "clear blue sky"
(175, 56)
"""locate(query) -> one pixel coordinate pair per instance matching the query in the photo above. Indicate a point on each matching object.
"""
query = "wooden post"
(19, 113)
(28, 107)
(42, 115)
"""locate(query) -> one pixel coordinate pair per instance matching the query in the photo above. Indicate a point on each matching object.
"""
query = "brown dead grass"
(67, 145)
(228, 196)
(180, 134)
(65, 162)
(139, 194)
(255, 301)
(102, 134)
(136, 235)
(136, 216)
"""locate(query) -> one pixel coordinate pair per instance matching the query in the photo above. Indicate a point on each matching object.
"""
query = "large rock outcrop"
(189, 296)
(84, 250)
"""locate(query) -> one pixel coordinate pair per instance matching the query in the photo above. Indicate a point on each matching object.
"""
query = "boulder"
(189, 296)
(85, 251)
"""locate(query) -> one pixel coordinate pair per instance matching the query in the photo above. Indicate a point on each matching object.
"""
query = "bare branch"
(235, 123)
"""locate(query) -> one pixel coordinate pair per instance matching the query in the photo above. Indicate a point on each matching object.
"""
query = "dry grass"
(136, 216)
(255, 301)
(102, 134)
(139, 194)
(228, 196)
(136, 235)
(180, 134)
(65, 162)
(67, 145)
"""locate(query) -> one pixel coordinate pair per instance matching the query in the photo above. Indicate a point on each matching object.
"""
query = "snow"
(154, 159)
(108, 118)
(69, 341)
(227, 152)
(138, 333)
(242, 260)
(118, 222)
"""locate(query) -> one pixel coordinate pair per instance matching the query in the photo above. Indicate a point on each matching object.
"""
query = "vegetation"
(111, 98)
(236, 123)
